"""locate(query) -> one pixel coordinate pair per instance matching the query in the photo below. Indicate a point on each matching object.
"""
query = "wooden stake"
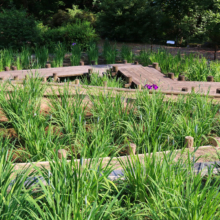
(156, 66)
(189, 141)
(77, 81)
(14, 68)
(90, 71)
(48, 65)
(139, 87)
(62, 154)
(115, 69)
(7, 68)
(129, 80)
(16, 77)
(181, 78)
(125, 61)
(215, 141)
(131, 149)
(105, 84)
(82, 63)
(171, 75)
(55, 77)
(210, 79)
(44, 79)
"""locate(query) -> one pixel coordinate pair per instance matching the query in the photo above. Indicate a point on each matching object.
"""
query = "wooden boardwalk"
(140, 76)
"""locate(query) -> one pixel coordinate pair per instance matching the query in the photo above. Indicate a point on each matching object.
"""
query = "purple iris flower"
(155, 86)
(148, 86)
(73, 44)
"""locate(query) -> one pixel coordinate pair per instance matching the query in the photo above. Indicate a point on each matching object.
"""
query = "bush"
(71, 16)
(80, 32)
(17, 29)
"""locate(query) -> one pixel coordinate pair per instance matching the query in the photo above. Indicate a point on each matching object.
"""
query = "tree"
(129, 20)
(213, 25)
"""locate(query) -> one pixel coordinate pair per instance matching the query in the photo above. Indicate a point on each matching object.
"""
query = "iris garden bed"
(96, 126)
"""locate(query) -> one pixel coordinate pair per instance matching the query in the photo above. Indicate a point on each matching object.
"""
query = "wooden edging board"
(112, 161)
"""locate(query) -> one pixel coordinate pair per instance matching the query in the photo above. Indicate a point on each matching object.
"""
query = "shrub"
(80, 32)
(71, 16)
(17, 29)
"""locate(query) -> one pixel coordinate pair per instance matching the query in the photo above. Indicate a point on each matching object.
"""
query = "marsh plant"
(75, 54)
(127, 53)
(104, 119)
(93, 52)
(58, 55)
(109, 52)
(194, 67)
(96, 80)
(41, 56)
(95, 125)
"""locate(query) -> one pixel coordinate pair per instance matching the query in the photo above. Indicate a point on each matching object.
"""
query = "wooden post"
(115, 69)
(16, 77)
(82, 63)
(7, 68)
(210, 79)
(131, 149)
(90, 71)
(105, 84)
(185, 89)
(135, 62)
(44, 79)
(55, 77)
(139, 87)
(62, 154)
(77, 81)
(181, 78)
(48, 65)
(129, 80)
(125, 61)
(215, 141)
(171, 75)
(14, 68)
(156, 66)
(189, 141)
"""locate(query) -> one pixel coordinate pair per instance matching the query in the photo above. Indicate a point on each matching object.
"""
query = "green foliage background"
(152, 21)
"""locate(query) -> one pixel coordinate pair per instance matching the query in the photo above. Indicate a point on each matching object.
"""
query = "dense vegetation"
(101, 125)
(153, 188)
(130, 20)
